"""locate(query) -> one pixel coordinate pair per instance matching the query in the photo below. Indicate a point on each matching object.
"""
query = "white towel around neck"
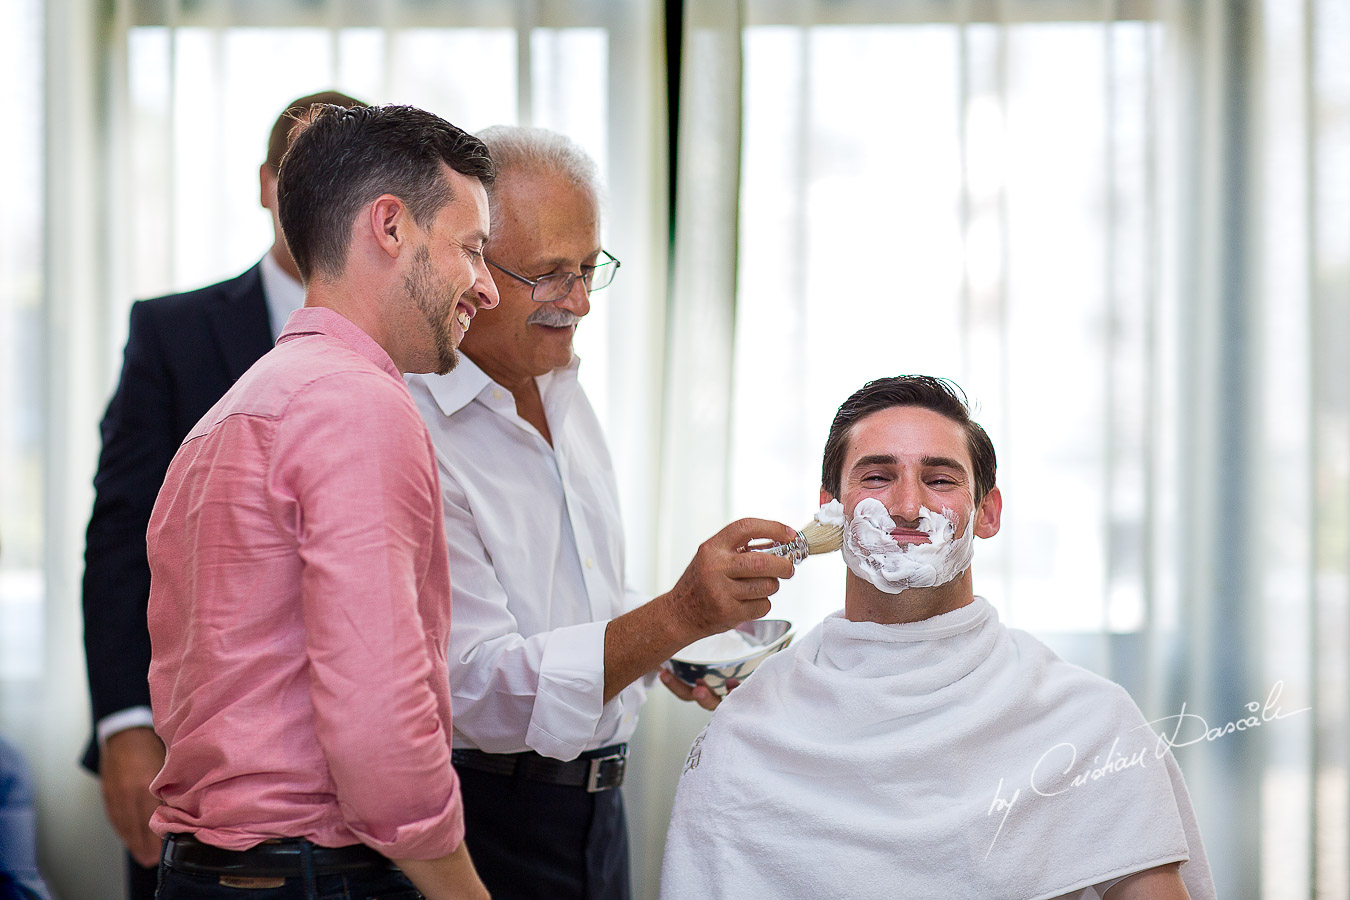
(865, 761)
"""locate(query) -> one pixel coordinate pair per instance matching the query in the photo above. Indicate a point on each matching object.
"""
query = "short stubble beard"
(420, 284)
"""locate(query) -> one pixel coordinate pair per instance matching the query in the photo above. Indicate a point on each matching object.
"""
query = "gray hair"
(521, 148)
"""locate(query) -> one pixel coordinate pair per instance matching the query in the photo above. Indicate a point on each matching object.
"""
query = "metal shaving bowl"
(769, 636)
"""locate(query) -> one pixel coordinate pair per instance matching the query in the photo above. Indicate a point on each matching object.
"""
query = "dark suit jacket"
(183, 353)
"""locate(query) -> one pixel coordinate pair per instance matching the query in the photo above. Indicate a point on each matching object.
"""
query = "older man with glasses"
(549, 650)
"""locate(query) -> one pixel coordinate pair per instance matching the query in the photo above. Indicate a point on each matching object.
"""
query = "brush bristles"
(822, 538)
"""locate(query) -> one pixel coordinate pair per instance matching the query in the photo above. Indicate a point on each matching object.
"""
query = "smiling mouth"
(464, 314)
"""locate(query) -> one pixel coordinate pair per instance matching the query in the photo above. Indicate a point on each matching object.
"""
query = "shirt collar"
(457, 389)
(322, 320)
(556, 387)
(283, 293)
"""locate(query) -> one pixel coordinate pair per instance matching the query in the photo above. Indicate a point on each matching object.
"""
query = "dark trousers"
(141, 880)
(536, 841)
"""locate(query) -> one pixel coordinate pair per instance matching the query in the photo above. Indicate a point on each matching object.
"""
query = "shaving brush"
(823, 534)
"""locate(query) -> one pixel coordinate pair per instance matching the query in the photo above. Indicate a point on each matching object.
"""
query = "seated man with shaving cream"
(911, 745)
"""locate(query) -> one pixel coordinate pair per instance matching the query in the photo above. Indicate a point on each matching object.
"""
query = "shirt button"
(496, 394)
(590, 563)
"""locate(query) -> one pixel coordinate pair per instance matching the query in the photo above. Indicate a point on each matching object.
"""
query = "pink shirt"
(300, 608)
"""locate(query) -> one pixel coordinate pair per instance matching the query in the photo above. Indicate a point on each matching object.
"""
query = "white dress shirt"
(536, 565)
(284, 294)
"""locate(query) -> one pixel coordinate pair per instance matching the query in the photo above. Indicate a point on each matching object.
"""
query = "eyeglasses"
(555, 287)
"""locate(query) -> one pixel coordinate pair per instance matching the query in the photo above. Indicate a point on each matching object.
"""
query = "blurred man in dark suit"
(183, 352)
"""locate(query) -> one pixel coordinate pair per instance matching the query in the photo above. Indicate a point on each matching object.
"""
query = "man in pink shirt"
(300, 589)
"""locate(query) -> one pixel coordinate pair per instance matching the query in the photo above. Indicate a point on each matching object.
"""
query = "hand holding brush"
(823, 534)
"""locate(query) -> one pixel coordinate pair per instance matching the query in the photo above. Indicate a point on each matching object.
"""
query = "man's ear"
(990, 514)
(267, 187)
(389, 224)
(825, 496)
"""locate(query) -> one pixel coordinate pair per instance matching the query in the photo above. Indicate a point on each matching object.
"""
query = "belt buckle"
(606, 772)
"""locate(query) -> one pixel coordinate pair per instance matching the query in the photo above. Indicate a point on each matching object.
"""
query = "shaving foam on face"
(874, 556)
(718, 648)
(831, 513)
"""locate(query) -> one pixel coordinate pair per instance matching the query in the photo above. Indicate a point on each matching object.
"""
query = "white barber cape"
(948, 758)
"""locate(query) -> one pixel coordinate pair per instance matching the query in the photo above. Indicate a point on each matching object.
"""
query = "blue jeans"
(390, 884)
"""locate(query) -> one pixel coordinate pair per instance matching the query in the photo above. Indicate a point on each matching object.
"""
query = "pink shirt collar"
(322, 320)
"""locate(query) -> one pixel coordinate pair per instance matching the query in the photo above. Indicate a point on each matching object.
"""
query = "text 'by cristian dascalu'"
(1059, 769)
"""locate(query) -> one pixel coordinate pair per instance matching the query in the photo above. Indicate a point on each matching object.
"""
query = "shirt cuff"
(569, 701)
(134, 717)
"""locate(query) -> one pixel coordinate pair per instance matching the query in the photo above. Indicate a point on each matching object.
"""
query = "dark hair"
(280, 138)
(341, 159)
(936, 394)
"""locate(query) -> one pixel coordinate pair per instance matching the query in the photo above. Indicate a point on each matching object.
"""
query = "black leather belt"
(274, 858)
(595, 770)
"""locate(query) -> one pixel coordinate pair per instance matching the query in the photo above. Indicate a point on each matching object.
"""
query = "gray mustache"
(552, 317)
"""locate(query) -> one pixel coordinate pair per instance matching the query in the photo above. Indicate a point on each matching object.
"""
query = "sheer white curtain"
(157, 115)
(21, 359)
(1124, 228)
